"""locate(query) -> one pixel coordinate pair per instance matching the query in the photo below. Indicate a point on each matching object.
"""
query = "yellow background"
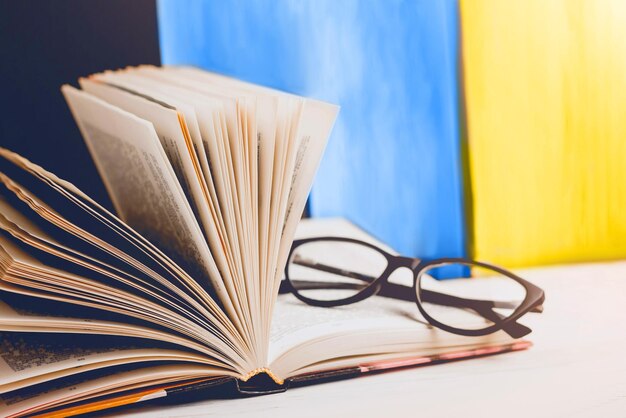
(545, 86)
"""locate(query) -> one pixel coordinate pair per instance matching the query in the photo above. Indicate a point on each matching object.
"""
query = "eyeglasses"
(457, 295)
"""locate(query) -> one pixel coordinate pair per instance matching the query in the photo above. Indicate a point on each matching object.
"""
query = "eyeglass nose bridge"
(409, 262)
(395, 263)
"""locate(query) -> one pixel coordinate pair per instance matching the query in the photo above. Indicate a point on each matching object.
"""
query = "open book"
(178, 292)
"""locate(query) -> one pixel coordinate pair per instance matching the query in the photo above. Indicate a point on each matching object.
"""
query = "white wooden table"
(577, 367)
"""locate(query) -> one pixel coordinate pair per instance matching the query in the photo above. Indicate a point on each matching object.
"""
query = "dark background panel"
(44, 44)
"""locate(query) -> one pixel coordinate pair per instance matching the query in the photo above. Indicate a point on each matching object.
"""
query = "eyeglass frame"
(533, 301)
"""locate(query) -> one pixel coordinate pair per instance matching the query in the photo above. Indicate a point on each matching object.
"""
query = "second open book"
(179, 291)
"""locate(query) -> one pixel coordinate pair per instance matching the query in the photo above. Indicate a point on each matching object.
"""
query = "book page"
(102, 382)
(20, 227)
(207, 329)
(168, 126)
(292, 134)
(257, 119)
(115, 241)
(27, 359)
(166, 103)
(18, 267)
(250, 128)
(314, 127)
(20, 313)
(143, 186)
(316, 124)
(303, 335)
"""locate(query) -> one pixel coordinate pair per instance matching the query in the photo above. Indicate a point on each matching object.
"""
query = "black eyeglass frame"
(533, 301)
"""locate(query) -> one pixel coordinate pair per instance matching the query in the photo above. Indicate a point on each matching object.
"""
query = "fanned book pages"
(177, 293)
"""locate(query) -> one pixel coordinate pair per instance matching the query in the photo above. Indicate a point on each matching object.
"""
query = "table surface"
(576, 368)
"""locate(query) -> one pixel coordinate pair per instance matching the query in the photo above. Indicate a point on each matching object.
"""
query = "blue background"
(392, 162)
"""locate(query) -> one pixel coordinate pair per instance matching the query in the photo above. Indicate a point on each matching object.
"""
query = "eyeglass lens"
(477, 302)
(327, 271)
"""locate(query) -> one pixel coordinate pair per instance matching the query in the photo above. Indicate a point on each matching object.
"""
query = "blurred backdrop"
(490, 128)
(45, 44)
(482, 128)
(392, 162)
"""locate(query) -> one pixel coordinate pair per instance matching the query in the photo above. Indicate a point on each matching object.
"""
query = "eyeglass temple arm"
(483, 307)
(514, 329)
